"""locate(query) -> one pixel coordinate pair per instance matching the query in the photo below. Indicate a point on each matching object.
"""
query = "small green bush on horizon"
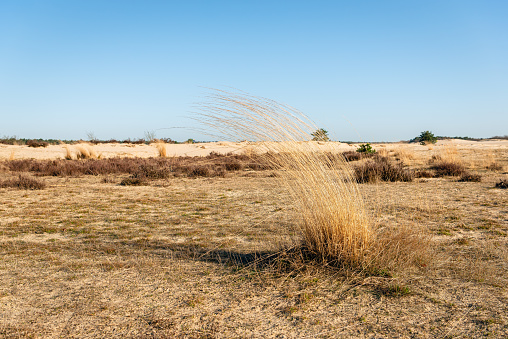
(365, 148)
(320, 135)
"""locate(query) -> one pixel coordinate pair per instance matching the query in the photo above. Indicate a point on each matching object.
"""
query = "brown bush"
(35, 143)
(424, 174)
(503, 183)
(132, 182)
(470, 177)
(355, 156)
(381, 169)
(445, 168)
(24, 182)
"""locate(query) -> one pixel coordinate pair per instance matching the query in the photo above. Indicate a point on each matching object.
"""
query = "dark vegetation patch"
(424, 174)
(446, 168)
(23, 182)
(132, 182)
(470, 177)
(494, 167)
(382, 169)
(212, 165)
(503, 183)
(355, 156)
(36, 143)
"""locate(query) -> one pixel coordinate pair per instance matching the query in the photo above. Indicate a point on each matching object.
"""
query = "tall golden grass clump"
(68, 152)
(333, 222)
(161, 148)
(86, 152)
(450, 153)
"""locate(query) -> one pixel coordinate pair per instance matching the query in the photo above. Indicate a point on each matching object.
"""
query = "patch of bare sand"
(203, 149)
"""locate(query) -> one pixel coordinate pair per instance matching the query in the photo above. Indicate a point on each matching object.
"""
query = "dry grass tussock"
(161, 148)
(81, 152)
(86, 152)
(333, 221)
(403, 155)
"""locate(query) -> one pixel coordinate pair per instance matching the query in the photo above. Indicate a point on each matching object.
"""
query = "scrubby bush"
(365, 148)
(35, 143)
(320, 135)
(132, 182)
(503, 183)
(426, 137)
(24, 182)
(355, 156)
(381, 169)
(444, 168)
(470, 177)
(424, 174)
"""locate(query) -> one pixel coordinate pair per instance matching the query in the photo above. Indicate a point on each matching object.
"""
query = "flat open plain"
(188, 256)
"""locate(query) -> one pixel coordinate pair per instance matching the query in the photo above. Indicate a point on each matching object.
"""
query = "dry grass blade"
(333, 221)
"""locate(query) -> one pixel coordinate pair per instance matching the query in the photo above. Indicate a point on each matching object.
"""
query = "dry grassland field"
(168, 241)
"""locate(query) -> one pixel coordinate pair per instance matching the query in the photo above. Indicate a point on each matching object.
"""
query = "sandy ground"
(203, 149)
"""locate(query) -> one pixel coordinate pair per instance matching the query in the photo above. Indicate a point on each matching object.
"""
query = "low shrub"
(365, 148)
(35, 143)
(503, 183)
(381, 169)
(445, 168)
(152, 171)
(424, 174)
(24, 182)
(494, 166)
(470, 177)
(355, 156)
(132, 182)
(199, 171)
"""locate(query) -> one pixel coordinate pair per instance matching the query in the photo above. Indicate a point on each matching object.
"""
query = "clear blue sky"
(364, 70)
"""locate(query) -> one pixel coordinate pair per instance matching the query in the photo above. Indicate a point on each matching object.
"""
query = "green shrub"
(365, 148)
(320, 135)
(426, 137)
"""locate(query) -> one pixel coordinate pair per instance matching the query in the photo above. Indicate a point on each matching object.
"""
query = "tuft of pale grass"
(403, 155)
(490, 163)
(161, 148)
(450, 154)
(86, 152)
(68, 152)
(332, 221)
(382, 152)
